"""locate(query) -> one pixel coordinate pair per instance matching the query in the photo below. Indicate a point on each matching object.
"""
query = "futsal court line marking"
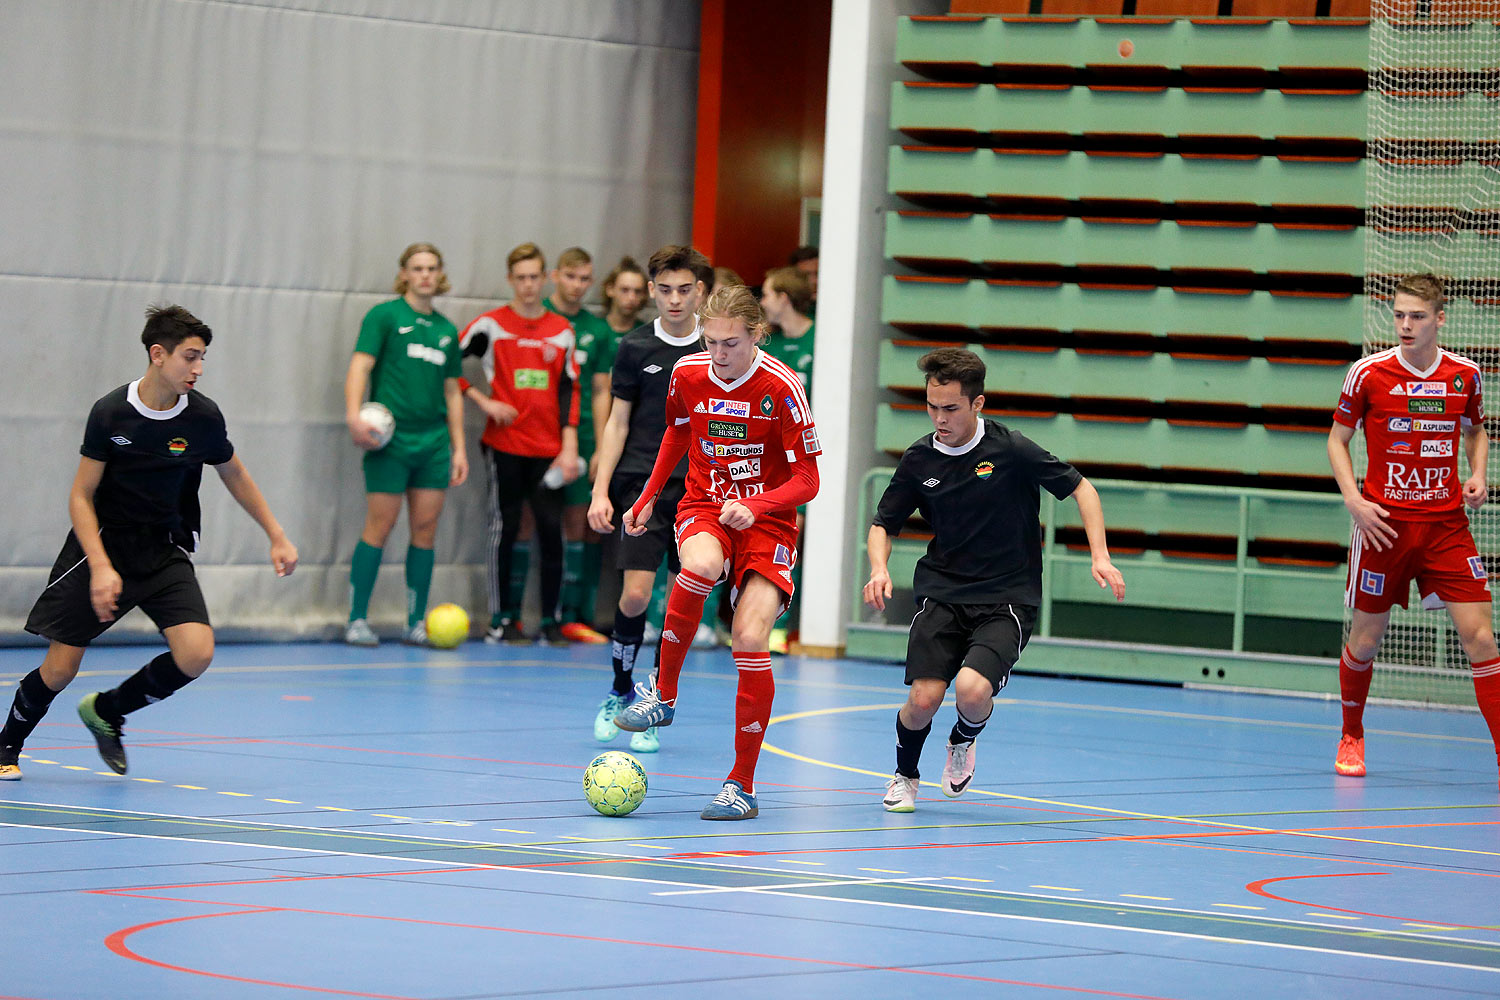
(839, 884)
(916, 884)
(441, 865)
(1098, 810)
(1247, 919)
(116, 943)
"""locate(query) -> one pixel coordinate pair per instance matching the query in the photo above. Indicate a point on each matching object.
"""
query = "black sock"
(965, 731)
(148, 685)
(33, 698)
(624, 646)
(909, 748)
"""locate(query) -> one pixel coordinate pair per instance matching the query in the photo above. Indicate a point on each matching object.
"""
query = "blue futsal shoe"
(646, 711)
(732, 802)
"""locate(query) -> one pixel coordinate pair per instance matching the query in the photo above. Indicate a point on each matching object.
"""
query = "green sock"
(572, 569)
(515, 593)
(418, 582)
(363, 566)
(588, 582)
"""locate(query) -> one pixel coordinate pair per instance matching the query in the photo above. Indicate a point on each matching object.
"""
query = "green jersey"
(794, 352)
(591, 337)
(414, 352)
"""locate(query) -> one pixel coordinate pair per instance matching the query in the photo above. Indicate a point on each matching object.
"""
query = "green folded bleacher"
(1152, 231)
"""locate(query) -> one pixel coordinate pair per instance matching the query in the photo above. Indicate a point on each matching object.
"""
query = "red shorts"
(1439, 555)
(767, 547)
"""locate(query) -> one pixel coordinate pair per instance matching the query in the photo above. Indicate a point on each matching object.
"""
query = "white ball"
(379, 417)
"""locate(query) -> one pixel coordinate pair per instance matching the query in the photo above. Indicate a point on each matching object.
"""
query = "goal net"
(1432, 192)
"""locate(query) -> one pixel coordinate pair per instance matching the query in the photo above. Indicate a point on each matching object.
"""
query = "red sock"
(684, 609)
(1487, 693)
(752, 713)
(1354, 688)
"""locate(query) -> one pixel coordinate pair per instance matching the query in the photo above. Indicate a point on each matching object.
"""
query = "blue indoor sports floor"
(314, 820)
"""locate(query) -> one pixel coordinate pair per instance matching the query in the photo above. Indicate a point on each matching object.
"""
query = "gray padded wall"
(264, 164)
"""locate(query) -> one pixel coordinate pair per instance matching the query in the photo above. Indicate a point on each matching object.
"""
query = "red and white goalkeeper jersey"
(530, 365)
(746, 435)
(1412, 421)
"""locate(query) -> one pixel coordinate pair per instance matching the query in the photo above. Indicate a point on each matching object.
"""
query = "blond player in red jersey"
(1416, 404)
(742, 418)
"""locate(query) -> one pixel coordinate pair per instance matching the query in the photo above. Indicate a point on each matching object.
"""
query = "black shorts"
(158, 578)
(644, 552)
(984, 637)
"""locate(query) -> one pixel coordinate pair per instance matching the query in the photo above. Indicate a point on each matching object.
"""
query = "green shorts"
(413, 460)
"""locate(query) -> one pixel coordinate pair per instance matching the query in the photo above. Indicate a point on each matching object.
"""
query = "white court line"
(1055, 921)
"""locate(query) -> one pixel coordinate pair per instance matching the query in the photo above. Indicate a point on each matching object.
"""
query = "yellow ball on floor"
(447, 626)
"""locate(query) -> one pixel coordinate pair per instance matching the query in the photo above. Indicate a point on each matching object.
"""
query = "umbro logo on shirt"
(120, 439)
(405, 329)
(931, 483)
(651, 369)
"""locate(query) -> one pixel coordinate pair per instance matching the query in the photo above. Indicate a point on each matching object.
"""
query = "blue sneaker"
(604, 722)
(732, 802)
(647, 711)
(645, 742)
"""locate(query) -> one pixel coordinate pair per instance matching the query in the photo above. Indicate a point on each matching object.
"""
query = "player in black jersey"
(627, 450)
(978, 587)
(134, 508)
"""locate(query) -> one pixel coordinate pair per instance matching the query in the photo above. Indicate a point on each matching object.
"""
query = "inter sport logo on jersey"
(729, 407)
(1426, 389)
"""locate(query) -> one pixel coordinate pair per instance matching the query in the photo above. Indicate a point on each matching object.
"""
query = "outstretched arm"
(1092, 512)
(237, 480)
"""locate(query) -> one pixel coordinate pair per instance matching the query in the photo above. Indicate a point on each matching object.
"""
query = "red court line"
(116, 943)
(1259, 888)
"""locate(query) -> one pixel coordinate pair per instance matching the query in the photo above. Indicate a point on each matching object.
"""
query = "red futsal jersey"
(530, 365)
(1412, 421)
(746, 435)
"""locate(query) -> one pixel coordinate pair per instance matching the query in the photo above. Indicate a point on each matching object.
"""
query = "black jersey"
(153, 460)
(641, 376)
(982, 500)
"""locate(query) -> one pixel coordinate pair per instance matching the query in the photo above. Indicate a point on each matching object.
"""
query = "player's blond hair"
(1427, 286)
(573, 257)
(736, 302)
(401, 284)
(526, 251)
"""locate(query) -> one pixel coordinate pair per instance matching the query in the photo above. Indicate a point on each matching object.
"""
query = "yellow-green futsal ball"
(614, 783)
(447, 626)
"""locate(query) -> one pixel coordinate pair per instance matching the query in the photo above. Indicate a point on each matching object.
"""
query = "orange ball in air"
(1127, 47)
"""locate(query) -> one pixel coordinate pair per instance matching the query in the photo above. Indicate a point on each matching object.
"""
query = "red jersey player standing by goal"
(1416, 402)
(742, 418)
